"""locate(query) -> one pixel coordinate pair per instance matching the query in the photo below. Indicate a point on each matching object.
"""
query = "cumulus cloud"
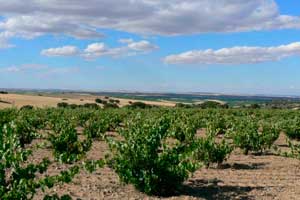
(142, 46)
(96, 50)
(61, 51)
(235, 55)
(36, 25)
(82, 19)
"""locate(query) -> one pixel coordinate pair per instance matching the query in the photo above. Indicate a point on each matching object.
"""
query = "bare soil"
(267, 176)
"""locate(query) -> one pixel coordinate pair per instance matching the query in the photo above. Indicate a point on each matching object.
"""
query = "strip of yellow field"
(51, 100)
(19, 100)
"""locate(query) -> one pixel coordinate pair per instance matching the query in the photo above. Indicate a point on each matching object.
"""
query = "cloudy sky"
(227, 46)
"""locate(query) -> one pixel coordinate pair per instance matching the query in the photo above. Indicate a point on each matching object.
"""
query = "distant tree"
(183, 105)
(110, 105)
(139, 104)
(62, 105)
(255, 106)
(3, 92)
(73, 106)
(91, 105)
(99, 100)
(26, 107)
(212, 104)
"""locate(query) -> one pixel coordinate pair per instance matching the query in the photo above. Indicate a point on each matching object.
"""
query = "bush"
(249, 135)
(99, 101)
(254, 106)
(96, 127)
(24, 130)
(62, 105)
(209, 151)
(7, 115)
(212, 104)
(145, 160)
(91, 105)
(66, 145)
(183, 105)
(291, 128)
(27, 107)
(73, 106)
(18, 179)
(111, 105)
(138, 104)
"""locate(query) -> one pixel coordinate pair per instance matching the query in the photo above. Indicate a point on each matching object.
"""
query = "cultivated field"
(151, 153)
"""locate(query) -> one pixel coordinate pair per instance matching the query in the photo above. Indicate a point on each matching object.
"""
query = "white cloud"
(96, 47)
(96, 50)
(30, 26)
(142, 46)
(83, 19)
(235, 55)
(61, 51)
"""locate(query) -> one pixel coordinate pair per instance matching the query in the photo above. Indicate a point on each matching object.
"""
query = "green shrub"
(110, 105)
(291, 128)
(19, 179)
(27, 107)
(145, 160)
(209, 151)
(100, 101)
(96, 127)
(25, 131)
(212, 104)
(66, 144)
(91, 105)
(138, 104)
(62, 105)
(249, 135)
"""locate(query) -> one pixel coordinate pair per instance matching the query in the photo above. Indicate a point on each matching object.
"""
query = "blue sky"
(163, 46)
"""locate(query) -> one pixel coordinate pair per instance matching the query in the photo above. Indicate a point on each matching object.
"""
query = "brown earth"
(241, 177)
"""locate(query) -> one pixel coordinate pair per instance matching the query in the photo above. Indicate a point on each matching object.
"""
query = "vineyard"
(133, 153)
